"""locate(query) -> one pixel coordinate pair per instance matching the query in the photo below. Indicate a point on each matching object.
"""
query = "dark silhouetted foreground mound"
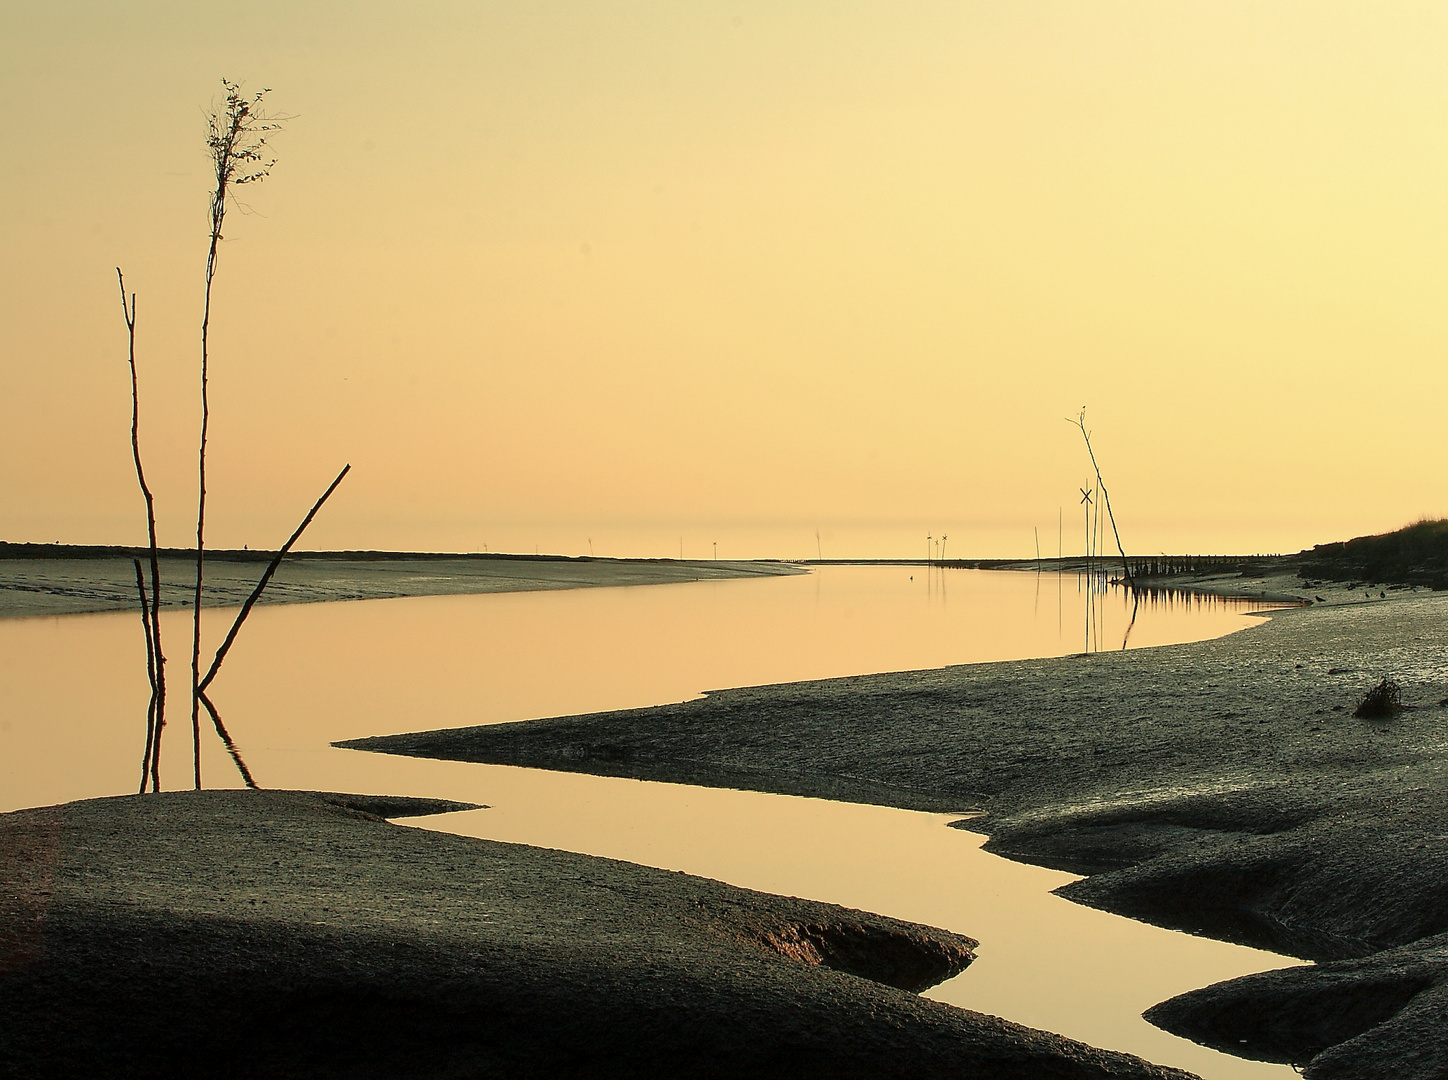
(268, 934)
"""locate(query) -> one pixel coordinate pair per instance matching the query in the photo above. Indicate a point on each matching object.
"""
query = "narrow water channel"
(301, 677)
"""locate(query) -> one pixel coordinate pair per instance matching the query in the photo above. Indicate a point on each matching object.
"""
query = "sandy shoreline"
(299, 934)
(1221, 787)
(68, 585)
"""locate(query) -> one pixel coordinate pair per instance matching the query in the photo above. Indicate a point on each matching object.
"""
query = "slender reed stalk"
(156, 656)
(237, 139)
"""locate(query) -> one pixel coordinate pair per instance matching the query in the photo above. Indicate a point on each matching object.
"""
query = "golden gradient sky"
(640, 271)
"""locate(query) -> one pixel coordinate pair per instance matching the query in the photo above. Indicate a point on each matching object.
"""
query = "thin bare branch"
(266, 577)
(1080, 422)
(156, 711)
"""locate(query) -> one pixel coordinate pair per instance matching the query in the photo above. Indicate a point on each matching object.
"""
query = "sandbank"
(41, 579)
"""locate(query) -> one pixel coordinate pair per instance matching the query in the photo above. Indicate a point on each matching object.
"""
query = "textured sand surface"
(294, 934)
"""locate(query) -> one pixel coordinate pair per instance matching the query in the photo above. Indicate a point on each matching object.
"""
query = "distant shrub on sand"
(1385, 699)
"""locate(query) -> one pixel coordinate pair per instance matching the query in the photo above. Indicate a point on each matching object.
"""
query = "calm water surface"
(72, 715)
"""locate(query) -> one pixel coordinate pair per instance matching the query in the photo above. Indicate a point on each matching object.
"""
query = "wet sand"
(1221, 787)
(60, 585)
(233, 933)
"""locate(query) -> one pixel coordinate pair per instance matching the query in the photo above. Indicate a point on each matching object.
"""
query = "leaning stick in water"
(241, 618)
(1080, 422)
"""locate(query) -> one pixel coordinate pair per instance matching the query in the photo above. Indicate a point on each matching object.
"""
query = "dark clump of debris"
(1385, 699)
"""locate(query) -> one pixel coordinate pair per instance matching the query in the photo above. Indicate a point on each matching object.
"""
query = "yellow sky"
(636, 272)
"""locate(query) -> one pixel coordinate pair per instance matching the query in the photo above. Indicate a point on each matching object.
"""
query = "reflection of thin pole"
(1096, 532)
(1135, 603)
(1096, 599)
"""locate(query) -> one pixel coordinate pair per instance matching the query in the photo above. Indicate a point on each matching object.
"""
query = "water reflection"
(1108, 602)
(310, 674)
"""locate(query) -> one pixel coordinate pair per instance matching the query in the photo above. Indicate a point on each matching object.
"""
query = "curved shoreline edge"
(279, 933)
(1220, 788)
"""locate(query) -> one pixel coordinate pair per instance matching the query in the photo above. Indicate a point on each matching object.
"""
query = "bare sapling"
(237, 139)
(226, 644)
(155, 655)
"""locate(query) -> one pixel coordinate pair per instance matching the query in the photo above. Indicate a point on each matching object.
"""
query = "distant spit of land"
(61, 579)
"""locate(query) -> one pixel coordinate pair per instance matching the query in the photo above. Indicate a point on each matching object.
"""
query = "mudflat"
(268, 934)
(1222, 788)
(32, 583)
